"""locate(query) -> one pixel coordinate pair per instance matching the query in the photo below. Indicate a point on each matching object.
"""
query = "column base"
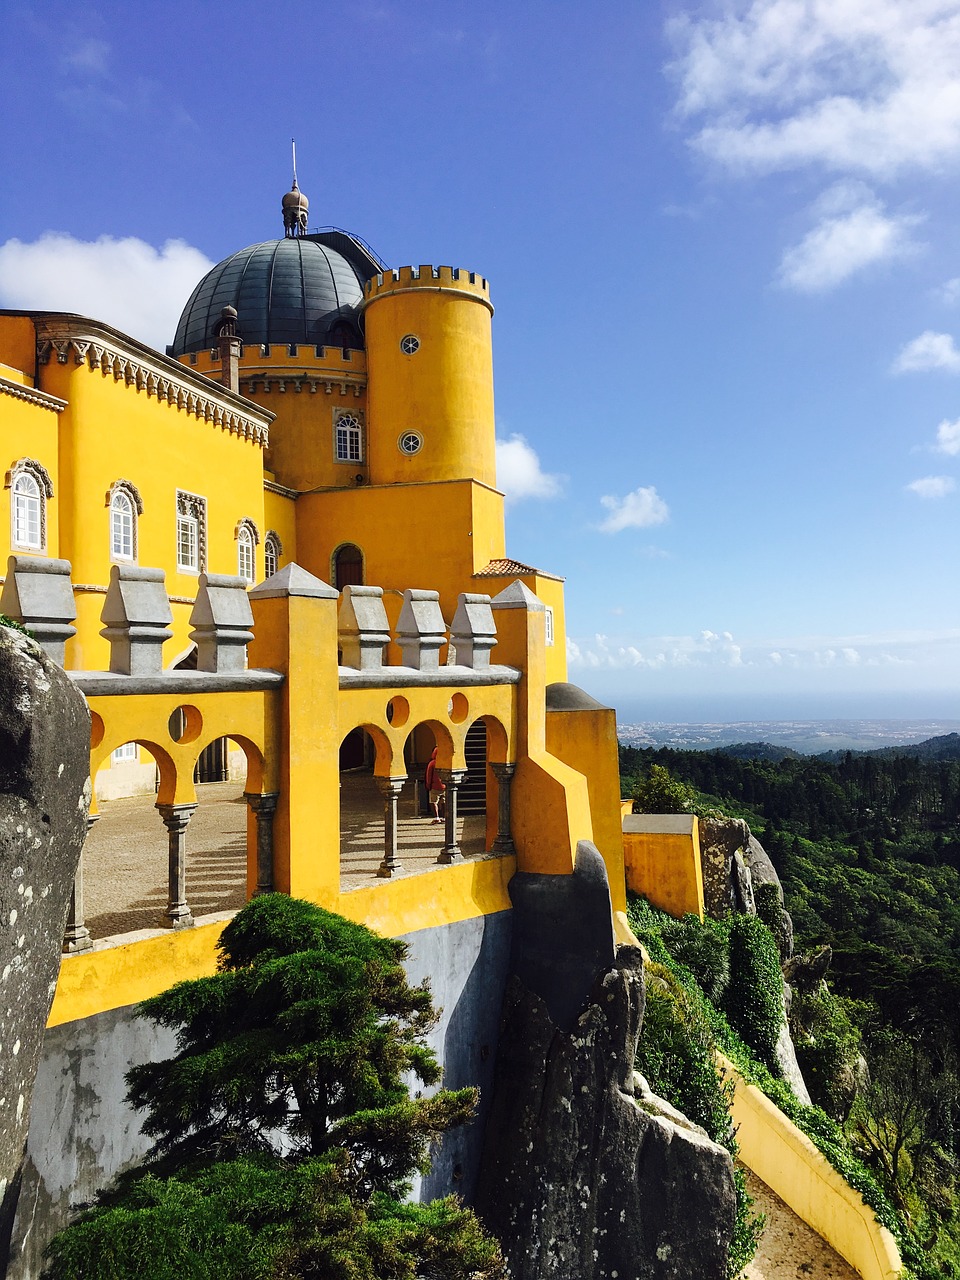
(452, 854)
(386, 870)
(503, 845)
(76, 940)
(184, 921)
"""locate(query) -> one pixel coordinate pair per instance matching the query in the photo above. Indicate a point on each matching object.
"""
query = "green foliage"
(770, 910)
(676, 1053)
(247, 1219)
(703, 947)
(828, 1048)
(658, 792)
(13, 624)
(284, 1129)
(754, 996)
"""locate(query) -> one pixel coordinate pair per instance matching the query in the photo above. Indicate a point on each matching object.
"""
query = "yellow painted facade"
(661, 854)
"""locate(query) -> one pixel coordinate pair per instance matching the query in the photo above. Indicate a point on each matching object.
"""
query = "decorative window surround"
(125, 506)
(272, 551)
(191, 533)
(247, 538)
(347, 437)
(100, 348)
(31, 486)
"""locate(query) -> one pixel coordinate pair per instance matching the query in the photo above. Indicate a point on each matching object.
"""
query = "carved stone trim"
(271, 486)
(246, 523)
(154, 377)
(32, 396)
(36, 469)
(130, 489)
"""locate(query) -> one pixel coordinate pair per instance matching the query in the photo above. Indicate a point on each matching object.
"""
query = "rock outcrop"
(44, 793)
(736, 870)
(585, 1172)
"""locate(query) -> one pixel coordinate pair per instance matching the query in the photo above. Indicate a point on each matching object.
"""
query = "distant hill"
(945, 747)
(763, 751)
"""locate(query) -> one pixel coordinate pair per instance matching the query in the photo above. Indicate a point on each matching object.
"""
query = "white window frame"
(27, 511)
(123, 526)
(272, 551)
(348, 438)
(191, 532)
(548, 624)
(126, 754)
(246, 557)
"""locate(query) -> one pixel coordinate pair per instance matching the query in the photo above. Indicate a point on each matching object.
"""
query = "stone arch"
(347, 566)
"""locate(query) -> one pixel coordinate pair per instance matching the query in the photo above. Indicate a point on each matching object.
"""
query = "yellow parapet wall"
(661, 855)
(788, 1162)
(123, 972)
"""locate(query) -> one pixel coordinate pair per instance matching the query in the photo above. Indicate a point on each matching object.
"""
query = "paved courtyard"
(125, 855)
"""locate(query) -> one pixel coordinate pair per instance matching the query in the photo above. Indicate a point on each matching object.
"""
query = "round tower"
(429, 376)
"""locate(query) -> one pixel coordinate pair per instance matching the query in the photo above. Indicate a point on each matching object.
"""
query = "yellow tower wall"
(444, 390)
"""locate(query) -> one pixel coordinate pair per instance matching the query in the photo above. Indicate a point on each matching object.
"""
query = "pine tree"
(284, 1131)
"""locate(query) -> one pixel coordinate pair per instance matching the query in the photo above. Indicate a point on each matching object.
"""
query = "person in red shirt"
(435, 787)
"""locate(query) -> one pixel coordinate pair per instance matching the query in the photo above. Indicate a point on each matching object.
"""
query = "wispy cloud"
(932, 487)
(639, 509)
(948, 437)
(520, 474)
(949, 292)
(864, 86)
(853, 232)
(720, 650)
(125, 282)
(88, 56)
(927, 352)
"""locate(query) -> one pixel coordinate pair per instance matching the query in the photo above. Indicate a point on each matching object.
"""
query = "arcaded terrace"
(193, 848)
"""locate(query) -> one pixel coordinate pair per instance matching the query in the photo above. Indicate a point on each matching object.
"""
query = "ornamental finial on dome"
(295, 205)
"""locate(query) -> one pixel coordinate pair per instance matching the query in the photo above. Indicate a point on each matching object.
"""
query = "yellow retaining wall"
(114, 974)
(788, 1162)
(661, 856)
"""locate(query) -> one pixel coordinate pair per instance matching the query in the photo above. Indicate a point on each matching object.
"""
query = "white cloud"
(929, 351)
(854, 232)
(639, 509)
(88, 56)
(932, 486)
(127, 283)
(949, 292)
(948, 438)
(850, 85)
(519, 473)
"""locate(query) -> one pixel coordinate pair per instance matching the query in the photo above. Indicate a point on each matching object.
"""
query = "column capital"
(264, 802)
(389, 787)
(176, 817)
(503, 769)
(454, 776)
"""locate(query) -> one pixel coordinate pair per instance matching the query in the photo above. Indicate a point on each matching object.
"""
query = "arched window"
(27, 512)
(347, 566)
(349, 438)
(272, 551)
(247, 539)
(30, 486)
(125, 505)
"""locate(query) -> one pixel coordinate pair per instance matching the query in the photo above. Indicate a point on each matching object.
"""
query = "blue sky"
(722, 243)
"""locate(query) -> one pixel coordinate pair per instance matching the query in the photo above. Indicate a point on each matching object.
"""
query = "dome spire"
(295, 204)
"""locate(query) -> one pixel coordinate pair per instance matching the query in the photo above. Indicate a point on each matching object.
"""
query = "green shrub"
(702, 946)
(658, 792)
(754, 996)
(770, 910)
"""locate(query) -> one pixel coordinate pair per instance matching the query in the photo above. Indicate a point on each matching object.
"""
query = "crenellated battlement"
(278, 355)
(438, 279)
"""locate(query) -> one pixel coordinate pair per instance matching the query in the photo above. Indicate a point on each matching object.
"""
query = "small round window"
(410, 344)
(410, 442)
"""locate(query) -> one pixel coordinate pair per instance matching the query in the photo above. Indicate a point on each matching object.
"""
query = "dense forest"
(867, 847)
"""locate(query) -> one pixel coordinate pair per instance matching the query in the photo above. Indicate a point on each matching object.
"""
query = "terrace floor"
(125, 855)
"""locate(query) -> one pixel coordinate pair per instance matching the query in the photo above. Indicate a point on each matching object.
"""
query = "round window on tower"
(409, 344)
(410, 442)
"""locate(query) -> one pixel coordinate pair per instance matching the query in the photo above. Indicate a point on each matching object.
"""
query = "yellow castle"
(276, 552)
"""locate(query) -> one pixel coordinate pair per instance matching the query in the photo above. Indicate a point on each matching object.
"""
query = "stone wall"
(82, 1132)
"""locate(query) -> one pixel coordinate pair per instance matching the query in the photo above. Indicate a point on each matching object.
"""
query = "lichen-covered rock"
(584, 1174)
(726, 879)
(44, 793)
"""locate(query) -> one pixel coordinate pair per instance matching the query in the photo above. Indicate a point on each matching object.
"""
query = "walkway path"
(789, 1249)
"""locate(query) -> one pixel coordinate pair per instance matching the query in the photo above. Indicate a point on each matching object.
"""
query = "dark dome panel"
(296, 290)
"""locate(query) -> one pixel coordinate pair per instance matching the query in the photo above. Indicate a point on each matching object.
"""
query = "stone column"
(451, 779)
(264, 806)
(504, 776)
(390, 789)
(176, 818)
(76, 936)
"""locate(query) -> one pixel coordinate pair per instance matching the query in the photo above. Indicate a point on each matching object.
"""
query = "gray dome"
(302, 289)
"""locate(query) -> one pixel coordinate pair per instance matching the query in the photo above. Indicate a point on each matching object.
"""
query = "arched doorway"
(347, 566)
